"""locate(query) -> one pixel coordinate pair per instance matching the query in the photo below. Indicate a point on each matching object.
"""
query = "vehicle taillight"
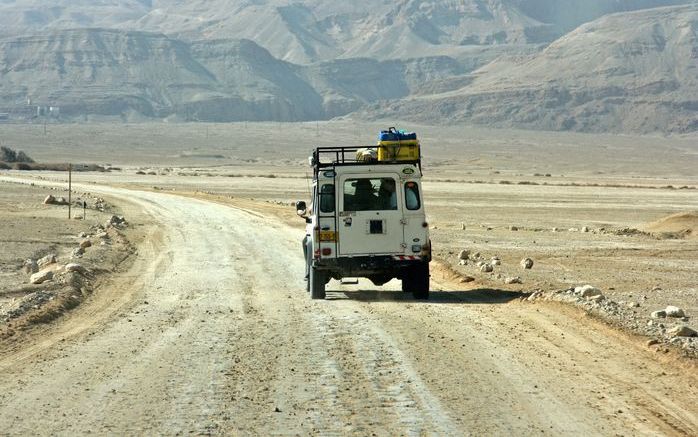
(316, 241)
(326, 251)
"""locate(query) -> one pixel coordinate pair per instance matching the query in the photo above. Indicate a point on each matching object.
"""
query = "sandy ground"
(210, 331)
(210, 334)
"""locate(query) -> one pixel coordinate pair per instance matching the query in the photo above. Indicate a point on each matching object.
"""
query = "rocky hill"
(522, 63)
(93, 73)
(304, 31)
(631, 72)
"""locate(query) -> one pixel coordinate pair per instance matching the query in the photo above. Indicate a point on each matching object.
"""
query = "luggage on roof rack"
(398, 145)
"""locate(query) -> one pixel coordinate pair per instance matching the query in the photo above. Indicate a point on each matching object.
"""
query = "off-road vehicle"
(366, 219)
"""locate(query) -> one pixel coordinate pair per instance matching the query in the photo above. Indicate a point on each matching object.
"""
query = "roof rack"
(337, 156)
(346, 155)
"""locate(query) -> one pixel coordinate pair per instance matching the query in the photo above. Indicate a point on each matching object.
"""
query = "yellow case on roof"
(406, 150)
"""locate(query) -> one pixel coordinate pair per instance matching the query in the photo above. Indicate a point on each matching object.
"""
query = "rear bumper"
(362, 266)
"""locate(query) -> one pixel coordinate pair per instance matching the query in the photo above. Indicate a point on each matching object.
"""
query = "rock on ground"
(464, 254)
(487, 268)
(85, 244)
(74, 267)
(515, 280)
(658, 314)
(526, 263)
(41, 277)
(588, 291)
(30, 266)
(672, 311)
(682, 331)
(48, 259)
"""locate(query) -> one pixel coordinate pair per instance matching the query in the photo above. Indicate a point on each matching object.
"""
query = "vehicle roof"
(367, 169)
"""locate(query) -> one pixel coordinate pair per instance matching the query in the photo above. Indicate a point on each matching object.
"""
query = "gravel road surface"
(212, 332)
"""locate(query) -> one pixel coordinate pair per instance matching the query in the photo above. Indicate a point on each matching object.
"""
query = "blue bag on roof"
(393, 134)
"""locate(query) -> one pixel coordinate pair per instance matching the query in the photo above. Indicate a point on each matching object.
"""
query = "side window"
(412, 196)
(327, 198)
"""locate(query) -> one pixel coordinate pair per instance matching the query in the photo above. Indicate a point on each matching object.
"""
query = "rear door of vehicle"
(370, 217)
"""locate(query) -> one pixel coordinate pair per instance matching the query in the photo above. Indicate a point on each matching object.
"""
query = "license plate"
(328, 236)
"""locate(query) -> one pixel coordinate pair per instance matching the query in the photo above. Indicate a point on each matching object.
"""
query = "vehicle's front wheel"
(317, 281)
(416, 281)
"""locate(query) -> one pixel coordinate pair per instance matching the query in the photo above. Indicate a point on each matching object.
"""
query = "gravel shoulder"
(211, 332)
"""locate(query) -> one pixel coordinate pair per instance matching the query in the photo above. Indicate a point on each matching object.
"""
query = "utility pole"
(70, 188)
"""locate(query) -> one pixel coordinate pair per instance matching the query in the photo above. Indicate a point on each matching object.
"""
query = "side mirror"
(301, 208)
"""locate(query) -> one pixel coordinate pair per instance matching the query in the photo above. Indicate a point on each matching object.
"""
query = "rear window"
(412, 196)
(370, 194)
(327, 198)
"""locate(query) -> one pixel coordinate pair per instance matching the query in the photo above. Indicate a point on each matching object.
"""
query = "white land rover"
(366, 220)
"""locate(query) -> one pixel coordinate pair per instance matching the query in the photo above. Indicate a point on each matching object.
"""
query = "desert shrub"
(9, 155)
(23, 157)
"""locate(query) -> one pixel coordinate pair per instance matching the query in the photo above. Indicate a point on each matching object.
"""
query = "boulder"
(495, 261)
(60, 201)
(30, 266)
(49, 200)
(585, 229)
(463, 262)
(587, 291)
(526, 263)
(115, 221)
(463, 254)
(486, 268)
(85, 244)
(77, 252)
(515, 280)
(682, 331)
(513, 228)
(75, 268)
(41, 277)
(658, 314)
(48, 259)
(672, 311)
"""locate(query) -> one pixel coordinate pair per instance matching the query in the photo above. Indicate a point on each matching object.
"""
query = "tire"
(416, 281)
(317, 283)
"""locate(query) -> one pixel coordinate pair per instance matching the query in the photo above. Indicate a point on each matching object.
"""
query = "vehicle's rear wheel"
(317, 283)
(416, 281)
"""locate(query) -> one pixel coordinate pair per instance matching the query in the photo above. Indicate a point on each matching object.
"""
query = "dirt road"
(213, 333)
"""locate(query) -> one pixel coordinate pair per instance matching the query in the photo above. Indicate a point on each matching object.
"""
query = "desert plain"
(191, 316)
